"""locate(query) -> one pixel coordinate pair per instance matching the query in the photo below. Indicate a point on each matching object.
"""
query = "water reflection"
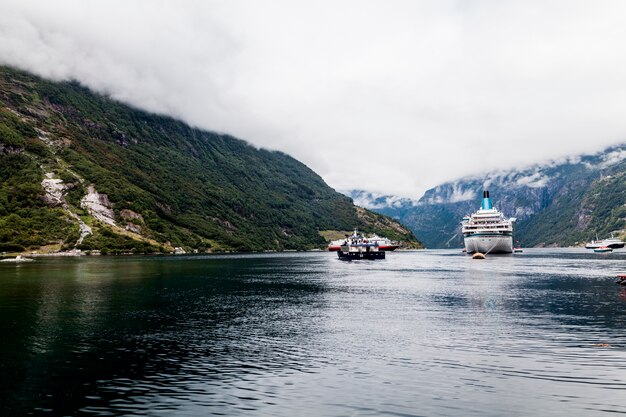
(423, 333)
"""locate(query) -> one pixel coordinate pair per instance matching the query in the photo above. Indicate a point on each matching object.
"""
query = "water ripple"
(429, 333)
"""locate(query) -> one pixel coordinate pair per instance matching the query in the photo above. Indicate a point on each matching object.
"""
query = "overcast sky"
(388, 96)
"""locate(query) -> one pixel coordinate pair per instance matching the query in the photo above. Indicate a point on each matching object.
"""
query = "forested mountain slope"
(83, 171)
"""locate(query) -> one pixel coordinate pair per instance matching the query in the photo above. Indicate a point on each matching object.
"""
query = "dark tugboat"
(357, 247)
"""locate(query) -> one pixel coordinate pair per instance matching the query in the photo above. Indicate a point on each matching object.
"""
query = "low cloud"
(390, 97)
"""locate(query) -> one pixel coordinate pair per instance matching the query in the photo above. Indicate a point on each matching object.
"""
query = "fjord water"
(426, 333)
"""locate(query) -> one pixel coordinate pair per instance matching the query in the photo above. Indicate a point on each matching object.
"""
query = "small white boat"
(18, 258)
(603, 249)
(612, 242)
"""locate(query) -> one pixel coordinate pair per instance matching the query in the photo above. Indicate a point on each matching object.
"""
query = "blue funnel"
(486, 201)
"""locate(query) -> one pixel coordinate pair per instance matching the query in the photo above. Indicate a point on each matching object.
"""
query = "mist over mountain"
(561, 203)
(79, 170)
(413, 91)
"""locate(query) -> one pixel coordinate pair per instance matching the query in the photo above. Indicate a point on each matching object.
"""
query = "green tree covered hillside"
(80, 170)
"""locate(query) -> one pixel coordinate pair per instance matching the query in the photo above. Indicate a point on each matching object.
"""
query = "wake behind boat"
(487, 231)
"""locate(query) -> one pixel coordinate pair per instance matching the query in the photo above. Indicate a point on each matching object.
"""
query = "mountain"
(79, 170)
(389, 205)
(561, 203)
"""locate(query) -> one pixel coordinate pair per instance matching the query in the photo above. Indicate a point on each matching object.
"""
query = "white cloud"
(535, 180)
(390, 97)
(613, 158)
(458, 194)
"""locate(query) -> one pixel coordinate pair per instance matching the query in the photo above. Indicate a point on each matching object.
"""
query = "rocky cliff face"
(563, 202)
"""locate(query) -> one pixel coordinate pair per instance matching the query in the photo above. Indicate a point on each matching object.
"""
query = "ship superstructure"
(383, 243)
(359, 247)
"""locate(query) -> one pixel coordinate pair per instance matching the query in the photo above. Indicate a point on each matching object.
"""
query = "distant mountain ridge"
(379, 201)
(79, 170)
(560, 203)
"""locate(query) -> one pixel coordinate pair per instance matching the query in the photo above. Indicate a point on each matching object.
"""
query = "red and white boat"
(335, 245)
(383, 243)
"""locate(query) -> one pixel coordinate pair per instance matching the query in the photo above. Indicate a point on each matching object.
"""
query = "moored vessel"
(17, 259)
(335, 245)
(612, 242)
(383, 243)
(603, 249)
(486, 230)
(358, 247)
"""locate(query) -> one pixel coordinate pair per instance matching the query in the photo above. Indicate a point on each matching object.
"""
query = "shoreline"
(78, 253)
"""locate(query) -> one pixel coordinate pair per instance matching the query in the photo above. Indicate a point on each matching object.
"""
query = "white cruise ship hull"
(489, 244)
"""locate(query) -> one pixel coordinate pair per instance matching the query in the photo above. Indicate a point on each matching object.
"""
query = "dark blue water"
(430, 333)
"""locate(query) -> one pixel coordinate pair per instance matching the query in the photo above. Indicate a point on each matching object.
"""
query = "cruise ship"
(487, 231)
